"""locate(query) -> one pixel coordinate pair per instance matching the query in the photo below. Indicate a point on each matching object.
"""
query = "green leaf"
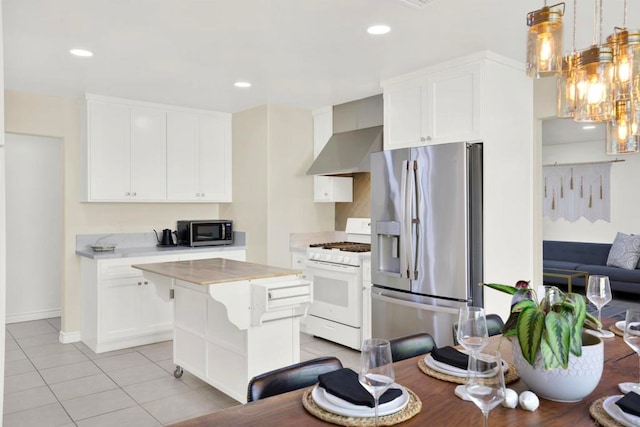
(557, 335)
(508, 289)
(577, 323)
(525, 303)
(529, 328)
(549, 359)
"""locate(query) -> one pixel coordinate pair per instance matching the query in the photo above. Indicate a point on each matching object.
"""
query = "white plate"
(620, 325)
(617, 414)
(443, 368)
(334, 404)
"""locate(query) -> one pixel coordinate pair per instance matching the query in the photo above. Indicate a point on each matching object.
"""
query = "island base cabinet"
(208, 345)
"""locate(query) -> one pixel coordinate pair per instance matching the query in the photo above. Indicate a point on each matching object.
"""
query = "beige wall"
(35, 114)
(272, 195)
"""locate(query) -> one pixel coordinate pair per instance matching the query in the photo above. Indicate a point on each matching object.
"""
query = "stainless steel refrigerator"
(426, 238)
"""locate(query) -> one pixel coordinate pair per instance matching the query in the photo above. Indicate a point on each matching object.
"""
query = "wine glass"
(376, 369)
(599, 293)
(472, 329)
(632, 334)
(485, 382)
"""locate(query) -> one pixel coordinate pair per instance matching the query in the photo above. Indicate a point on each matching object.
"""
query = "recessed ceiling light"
(378, 29)
(588, 127)
(242, 84)
(81, 52)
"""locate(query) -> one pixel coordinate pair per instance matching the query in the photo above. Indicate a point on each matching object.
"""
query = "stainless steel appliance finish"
(212, 232)
(357, 132)
(426, 238)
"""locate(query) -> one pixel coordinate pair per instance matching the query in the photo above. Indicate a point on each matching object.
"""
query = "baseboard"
(69, 337)
(34, 315)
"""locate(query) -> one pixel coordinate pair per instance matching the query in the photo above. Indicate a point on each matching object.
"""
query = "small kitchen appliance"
(167, 238)
(205, 232)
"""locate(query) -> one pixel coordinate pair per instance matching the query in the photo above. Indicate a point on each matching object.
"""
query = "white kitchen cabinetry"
(328, 188)
(434, 106)
(366, 298)
(126, 152)
(143, 152)
(198, 157)
(122, 308)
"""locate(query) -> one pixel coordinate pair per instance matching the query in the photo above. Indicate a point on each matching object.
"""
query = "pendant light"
(622, 132)
(544, 41)
(566, 102)
(594, 100)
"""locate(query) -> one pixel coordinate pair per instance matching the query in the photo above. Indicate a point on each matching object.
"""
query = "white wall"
(625, 205)
(34, 210)
(3, 263)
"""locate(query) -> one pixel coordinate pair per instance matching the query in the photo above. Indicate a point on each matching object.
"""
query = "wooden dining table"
(440, 407)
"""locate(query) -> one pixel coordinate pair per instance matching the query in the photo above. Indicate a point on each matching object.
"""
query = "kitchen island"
(233, 319)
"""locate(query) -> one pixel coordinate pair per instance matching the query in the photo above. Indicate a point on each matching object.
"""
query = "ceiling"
(303, 53)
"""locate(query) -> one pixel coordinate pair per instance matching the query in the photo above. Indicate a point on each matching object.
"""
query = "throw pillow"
(625, 252)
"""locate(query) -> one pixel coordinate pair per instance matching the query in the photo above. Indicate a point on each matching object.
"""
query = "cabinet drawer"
(118, 271)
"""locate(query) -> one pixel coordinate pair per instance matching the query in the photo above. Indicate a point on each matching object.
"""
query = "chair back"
(411, 345)
(290, 378)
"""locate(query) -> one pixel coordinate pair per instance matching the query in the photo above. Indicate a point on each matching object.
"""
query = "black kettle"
(167, 238)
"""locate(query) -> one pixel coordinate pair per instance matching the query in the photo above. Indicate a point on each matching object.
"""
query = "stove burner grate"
(344, 246)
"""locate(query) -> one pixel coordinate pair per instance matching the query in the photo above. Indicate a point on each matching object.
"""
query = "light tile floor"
(52, 384)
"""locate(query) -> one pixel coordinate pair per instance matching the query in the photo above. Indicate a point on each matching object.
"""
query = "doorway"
(34, 215)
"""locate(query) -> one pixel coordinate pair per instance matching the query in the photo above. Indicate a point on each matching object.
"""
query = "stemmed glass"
(472, 329)
(632, 334)
(485, 382)
(376, 369)
(599, 293)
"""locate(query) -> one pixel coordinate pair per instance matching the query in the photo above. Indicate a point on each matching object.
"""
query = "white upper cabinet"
(328, 188)
(142, 152)
(433, 107)
(199, 157)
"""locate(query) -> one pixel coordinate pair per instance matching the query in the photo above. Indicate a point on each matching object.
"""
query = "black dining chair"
(411, 345)
(290, 378)
(494, 327)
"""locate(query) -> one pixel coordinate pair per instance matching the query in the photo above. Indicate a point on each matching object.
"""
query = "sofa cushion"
(614, 273)
(563, 265)
(580, 252)
(625, 252)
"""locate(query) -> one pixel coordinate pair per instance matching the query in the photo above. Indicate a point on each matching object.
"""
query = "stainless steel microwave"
(205, 232)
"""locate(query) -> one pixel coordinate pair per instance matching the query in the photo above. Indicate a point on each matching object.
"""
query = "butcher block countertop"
(215, 270)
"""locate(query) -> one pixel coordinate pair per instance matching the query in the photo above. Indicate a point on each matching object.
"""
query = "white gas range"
(336, 270)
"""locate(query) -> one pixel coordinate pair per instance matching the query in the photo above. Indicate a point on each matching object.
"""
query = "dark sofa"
(589, 257)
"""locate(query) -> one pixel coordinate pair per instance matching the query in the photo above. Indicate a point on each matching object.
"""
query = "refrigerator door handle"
(415, 222)
(404, 200)
(412, 304)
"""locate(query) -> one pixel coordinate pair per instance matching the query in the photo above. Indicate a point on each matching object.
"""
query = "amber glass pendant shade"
(626, 59)
(594, 72)
(620, 132)
(544, 42)
(566, 106)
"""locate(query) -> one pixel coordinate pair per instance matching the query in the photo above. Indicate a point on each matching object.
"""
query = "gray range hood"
(357, 132)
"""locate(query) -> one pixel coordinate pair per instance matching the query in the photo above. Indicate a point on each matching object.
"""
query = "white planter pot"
(564, 385)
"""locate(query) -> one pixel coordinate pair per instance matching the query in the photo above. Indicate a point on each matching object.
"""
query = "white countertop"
(144, 244)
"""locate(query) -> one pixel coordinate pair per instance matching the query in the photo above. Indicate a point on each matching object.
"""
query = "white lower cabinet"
(122, 308)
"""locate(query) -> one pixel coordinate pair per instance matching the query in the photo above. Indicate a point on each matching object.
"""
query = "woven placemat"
(616, 331)
(510, 375)
(600, 415)
(411, 409)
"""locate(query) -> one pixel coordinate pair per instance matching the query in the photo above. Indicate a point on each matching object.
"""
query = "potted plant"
(548, 340)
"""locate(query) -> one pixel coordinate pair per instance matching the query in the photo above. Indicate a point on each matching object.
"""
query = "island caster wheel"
(178, 372)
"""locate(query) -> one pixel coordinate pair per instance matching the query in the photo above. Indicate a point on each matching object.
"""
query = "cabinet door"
(405, 115)
(182, 155)
(157, 306)
(454, 106)
(148, 154)
(108, 151)
(120, 305)
(214, 159)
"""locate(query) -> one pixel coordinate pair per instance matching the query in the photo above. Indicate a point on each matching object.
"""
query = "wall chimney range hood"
(357, 132)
